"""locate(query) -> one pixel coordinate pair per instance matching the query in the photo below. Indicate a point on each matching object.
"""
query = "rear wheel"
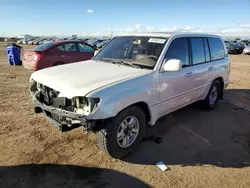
(123, 134)
(213, 96)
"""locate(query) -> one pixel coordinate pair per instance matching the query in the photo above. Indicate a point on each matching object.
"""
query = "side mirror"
(172, 65)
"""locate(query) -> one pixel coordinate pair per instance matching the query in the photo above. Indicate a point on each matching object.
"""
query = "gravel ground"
(202, 149)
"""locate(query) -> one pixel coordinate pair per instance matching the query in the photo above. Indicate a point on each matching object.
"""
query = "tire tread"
(102, 140)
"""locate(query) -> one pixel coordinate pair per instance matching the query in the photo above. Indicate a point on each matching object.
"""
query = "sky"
(103, 17)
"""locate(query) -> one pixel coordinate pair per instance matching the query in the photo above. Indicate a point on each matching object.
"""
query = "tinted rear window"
(216, 48)
(198, 51)
(44, 46)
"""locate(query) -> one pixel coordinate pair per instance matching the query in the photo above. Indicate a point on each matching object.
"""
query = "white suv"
(132, 82)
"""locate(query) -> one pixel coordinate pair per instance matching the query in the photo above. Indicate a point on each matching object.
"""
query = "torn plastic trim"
(57, 111)
(48, 96)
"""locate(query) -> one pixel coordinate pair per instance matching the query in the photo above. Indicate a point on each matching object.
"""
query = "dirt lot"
(202, 149)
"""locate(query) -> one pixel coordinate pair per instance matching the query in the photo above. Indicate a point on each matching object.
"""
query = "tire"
(107, 138)
(211, 102)
(58, 63)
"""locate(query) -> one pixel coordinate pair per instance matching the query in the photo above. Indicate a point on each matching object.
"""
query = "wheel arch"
(145, 108)
(142, 105)
(221, 80)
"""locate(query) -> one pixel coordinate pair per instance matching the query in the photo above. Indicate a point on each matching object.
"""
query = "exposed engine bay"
(61, 109)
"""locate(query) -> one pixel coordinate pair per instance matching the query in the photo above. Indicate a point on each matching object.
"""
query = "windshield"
(44, 46)
(141, 51)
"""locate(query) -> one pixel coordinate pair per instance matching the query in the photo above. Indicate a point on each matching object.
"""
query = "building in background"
(24, 37)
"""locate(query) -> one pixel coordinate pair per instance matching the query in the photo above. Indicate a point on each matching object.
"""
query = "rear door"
(51, 57)
(85, 52)
(68, 52)
(203, 66)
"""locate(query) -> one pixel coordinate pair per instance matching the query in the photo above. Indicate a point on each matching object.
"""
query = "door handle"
(189, 74)
(210, 68)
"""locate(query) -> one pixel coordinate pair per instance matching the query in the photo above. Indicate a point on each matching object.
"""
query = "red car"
(54, 53)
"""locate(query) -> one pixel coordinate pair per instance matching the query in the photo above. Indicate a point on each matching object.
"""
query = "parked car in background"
(239, 48)
(37, 41)
(42, 41)
(90, 41)
(54, 53)
(11, 39)
(20, 41)
(27, 41)
(234, 48)
(132, 82)
(246, 50)
(102, 44)
(95, 43)
(231, 48)
(31, 41)
(245, 43)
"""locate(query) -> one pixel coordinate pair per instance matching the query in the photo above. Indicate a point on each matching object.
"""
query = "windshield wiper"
(115, 61)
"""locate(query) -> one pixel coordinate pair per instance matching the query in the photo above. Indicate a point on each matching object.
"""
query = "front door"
(176, 88)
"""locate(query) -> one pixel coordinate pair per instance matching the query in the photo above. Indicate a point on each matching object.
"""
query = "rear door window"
(216, 48)
(68, 47)
(198, 51)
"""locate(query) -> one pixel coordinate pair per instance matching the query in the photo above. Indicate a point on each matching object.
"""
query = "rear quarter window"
(44, 46)
(216, 48)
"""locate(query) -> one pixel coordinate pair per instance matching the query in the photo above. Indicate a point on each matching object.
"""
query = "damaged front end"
(66, 114)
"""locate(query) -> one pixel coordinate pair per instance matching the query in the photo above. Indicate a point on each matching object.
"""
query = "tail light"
(37, 57)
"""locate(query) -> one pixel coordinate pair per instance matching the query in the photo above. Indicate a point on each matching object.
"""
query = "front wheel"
(123, 134)
(213, 96)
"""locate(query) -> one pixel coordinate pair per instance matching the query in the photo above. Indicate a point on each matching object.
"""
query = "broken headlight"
(85, 105)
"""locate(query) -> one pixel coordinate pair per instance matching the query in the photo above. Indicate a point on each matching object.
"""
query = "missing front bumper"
(62, 119)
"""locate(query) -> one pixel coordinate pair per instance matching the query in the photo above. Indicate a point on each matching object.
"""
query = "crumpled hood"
(79, 79)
